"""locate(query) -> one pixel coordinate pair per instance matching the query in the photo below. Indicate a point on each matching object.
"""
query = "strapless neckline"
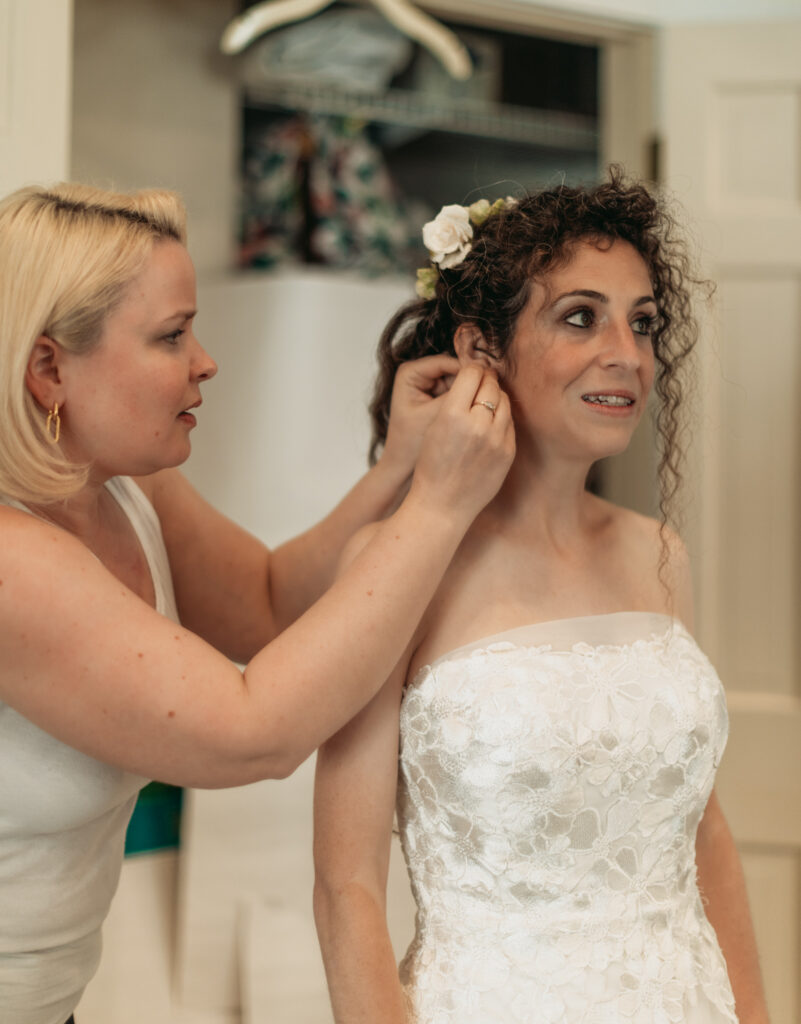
(515, 636)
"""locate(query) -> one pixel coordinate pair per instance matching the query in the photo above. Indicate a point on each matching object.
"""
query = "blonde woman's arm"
(235, 592)
(88, 661)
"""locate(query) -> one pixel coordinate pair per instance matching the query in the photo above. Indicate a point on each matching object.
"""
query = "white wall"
(155, 104)
(666, 12)
(35, 81)
(283, 430)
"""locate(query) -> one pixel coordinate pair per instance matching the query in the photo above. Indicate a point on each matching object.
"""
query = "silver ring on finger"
(487, 405)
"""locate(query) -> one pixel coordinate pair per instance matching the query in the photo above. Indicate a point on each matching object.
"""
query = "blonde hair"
(67, 255)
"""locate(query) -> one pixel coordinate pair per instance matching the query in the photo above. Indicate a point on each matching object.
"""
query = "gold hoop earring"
(53, 425)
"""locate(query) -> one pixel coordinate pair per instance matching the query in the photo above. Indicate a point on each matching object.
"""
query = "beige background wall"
(35, 91)
(155, 104)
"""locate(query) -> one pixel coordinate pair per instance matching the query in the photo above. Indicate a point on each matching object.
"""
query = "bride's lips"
(610, 403)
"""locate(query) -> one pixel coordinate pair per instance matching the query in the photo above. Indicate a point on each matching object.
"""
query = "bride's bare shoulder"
(644, 531)
(657, 554)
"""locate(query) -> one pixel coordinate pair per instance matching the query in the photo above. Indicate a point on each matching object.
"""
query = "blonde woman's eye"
(580, 318)
(172, 339)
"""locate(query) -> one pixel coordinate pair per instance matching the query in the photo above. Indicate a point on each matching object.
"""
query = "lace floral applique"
(548, 803)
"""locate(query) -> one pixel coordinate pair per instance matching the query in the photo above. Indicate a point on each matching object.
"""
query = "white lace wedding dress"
(552, 779)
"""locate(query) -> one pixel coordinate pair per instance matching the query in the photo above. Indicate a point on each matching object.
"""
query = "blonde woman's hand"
(417, 394)
(469, 447)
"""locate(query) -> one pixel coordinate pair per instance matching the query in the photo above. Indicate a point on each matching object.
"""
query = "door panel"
(733, 157)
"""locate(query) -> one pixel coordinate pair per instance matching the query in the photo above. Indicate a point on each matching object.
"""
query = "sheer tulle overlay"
(552, 779)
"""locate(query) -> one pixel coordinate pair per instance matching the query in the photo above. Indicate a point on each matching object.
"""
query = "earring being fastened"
(53, 425)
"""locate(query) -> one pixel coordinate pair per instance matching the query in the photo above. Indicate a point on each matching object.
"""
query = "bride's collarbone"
(499, 588)
(535, 573)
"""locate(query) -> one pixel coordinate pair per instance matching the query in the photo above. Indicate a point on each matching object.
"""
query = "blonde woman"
(122, 600)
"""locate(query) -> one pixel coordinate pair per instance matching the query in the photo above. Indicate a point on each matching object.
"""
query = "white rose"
(448, 237)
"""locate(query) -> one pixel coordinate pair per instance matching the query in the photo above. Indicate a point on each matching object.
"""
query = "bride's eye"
(580, 318)
(644, 325)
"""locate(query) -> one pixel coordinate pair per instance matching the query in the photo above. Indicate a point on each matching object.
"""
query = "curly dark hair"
(521, 244)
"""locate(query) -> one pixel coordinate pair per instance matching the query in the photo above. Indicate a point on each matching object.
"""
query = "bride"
(558, 727)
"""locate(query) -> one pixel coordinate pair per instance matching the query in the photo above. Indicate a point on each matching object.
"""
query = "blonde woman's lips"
(185, 416)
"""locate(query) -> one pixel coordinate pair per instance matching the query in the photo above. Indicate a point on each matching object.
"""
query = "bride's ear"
(471, 347)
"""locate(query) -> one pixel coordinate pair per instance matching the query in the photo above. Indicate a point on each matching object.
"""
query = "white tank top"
(63, 817)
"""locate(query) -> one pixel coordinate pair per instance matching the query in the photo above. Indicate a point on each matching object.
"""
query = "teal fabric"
(156, 820)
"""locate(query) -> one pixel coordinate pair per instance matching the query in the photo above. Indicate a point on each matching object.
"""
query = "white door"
(732, 128)
(35, 88)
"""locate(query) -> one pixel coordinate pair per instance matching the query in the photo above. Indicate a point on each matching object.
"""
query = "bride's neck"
(542, 498)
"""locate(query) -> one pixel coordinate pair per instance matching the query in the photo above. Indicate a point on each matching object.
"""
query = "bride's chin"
(616, 449)
(596, 453)
(615, 442)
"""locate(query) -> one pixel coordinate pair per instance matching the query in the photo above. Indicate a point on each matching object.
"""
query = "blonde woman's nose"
(204, 366)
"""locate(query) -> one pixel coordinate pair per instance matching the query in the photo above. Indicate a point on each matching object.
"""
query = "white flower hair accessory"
(449, 238)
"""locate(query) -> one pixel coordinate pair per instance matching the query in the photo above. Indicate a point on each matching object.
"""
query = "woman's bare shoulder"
(23, 533)
(658, 542)
(643, 530)
(38, 558)
(658, 555)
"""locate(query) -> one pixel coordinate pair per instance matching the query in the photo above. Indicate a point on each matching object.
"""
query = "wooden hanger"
(270, 14)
